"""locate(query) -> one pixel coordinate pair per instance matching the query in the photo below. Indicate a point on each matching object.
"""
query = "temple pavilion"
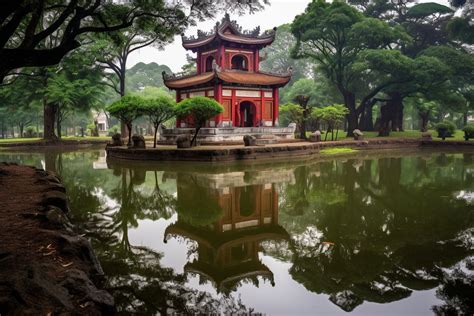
(228, 70)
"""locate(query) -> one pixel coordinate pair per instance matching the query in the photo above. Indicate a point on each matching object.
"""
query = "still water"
(370, 234)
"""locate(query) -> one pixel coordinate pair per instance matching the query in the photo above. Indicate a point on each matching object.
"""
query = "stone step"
(266, 141)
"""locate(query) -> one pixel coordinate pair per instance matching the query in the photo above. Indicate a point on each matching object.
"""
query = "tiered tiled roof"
(228, 76)
(229, 31)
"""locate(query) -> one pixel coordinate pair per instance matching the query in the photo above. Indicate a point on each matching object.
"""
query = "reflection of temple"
(228, 246)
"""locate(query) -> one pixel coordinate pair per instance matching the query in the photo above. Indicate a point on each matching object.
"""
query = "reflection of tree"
(190, 204)
(135, 277)
(457, 290)
(375, 230)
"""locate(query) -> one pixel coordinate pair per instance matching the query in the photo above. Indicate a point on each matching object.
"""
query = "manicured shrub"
(468, 131)
(159, 110)
(445, 129)
(127, 109)
(197, 111)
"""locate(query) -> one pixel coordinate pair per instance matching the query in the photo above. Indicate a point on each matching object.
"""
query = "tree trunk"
(352, 117)
(386, 114)
(154, 137)
(194, 140)
(58, 124)
(129, 128)
(424, 121)
(464, 118)
(49, 115)
(396, 101)
(21, 127)
(367, 120)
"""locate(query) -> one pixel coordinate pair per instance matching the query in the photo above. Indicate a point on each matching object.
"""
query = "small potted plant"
(468, 131)
(445, 129)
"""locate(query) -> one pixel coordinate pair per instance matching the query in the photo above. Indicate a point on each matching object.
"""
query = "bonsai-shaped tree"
(158, 110)
(294, 113)
(301, 92)
(197, 111)
(333, 116)
(127, 109)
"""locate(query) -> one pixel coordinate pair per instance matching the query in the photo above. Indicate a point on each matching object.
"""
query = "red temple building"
(227, 69)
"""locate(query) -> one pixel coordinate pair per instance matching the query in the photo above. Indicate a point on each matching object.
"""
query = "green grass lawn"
(337, 150)
(26, 140)
(459, 135)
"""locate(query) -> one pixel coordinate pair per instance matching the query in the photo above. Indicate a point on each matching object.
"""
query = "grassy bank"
(458, 136)
(67, 138)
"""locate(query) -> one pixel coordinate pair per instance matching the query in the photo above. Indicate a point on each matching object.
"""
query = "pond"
(366, 234)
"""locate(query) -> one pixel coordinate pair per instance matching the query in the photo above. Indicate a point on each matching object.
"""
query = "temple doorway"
(247, 114)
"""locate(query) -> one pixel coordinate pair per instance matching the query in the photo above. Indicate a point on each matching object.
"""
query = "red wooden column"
(260, 108)
(233, 109)
(221, 56)
(275, 106)
(218, 97)
(178, 99)
(199, 63)
(256, 66)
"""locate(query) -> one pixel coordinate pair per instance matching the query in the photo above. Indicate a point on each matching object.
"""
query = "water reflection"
(240, 212)
(370, 229)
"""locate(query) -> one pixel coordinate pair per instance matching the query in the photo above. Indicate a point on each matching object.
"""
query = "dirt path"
(45, 267)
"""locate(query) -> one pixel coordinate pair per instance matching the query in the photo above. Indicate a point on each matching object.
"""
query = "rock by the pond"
(183, 141)
(315, 137)
(116, 140)
(138, 141)
(426, 136)
(358, 135)
(249, 140)
(56, 198)
(292, 126)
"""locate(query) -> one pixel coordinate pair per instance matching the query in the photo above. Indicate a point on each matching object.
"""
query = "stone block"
(358, 135)
(249, 140)
(315, 137)
(138, 141)
(183, 141)
(116, 140)
(426, 136)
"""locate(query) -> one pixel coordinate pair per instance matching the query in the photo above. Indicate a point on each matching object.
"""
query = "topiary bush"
(468, 131)
(445, 129)
(197, 111)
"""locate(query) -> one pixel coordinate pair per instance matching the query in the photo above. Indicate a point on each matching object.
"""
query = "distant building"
(102, 122)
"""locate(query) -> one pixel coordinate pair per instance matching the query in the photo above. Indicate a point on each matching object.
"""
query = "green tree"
(334, 35)
(197, 111)
(142, 75)
(158, 110)
(127, 109)
(31, 24)
(277, 57)
(293, 113)
(333, 116)
(304, 92)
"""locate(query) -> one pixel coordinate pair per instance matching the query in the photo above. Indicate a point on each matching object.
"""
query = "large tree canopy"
(27, 26)
(337, 36)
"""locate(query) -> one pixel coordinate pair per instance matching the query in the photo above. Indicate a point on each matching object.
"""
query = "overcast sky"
(279, 12)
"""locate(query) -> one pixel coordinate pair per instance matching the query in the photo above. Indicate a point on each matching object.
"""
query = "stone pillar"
(199, 67)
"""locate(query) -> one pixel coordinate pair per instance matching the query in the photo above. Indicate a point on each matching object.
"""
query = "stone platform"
(227, 134)
(280, 151)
